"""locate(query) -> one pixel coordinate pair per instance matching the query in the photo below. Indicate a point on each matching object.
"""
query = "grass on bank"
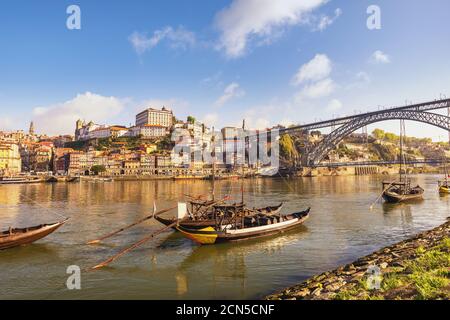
(427, 277)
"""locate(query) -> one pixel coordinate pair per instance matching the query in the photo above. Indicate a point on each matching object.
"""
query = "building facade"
(41, 158)
(163, 117)
(84, 131)
(108, 132)
(148, 131)
(10, 160)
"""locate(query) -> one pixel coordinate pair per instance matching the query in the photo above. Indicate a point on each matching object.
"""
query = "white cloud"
(171, 103)
(259, 123)
(317, 69)
(179, 38)
(6, 123)
(334, 105)
(265, 115)
(211, 119)
(315, 78)
(213, 81)
(254, 120)
(179, 106)
(363, 77)
(245, 20)
(287, 122)
(359, 81)
(318, 89)
(380, 57)
(60, 118)
(326, 21)
(233, 90)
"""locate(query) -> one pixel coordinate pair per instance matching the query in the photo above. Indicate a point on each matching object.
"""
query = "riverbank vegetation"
(414, 269)
(426, 277)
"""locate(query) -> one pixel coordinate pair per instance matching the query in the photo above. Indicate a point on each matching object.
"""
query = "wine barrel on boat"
(21, 236)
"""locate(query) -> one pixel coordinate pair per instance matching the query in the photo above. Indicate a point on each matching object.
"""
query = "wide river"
(341, 228)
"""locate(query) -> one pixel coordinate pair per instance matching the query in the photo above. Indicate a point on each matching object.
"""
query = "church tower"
(78, 126)
(31, 131)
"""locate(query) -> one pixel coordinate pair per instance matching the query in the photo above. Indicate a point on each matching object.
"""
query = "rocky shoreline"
(417, 268)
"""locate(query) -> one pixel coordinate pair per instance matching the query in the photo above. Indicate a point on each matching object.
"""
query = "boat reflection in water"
(402, 211)
(228, 263)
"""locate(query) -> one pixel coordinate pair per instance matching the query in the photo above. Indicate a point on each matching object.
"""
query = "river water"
(341, 228)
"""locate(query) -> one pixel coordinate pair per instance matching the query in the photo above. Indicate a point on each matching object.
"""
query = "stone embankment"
(418, 268)
(362, 171)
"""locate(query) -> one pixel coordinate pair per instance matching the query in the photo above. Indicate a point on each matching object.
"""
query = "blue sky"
(270, 62)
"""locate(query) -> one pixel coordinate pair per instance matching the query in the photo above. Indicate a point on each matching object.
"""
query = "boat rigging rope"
(286, 182)
(45, 208)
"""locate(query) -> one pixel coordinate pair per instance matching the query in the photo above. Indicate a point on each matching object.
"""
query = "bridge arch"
(335, 137)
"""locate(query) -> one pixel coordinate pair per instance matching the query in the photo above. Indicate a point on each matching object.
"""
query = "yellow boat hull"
(444, 190)
(203, 236)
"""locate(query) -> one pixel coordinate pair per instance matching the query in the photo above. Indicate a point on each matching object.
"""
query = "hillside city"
(146, 149)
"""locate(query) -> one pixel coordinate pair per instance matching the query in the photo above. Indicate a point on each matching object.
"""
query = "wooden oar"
(371, 207)
(131, 225)
(134, 246)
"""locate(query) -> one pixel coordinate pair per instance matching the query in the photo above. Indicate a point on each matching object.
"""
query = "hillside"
(378, 146)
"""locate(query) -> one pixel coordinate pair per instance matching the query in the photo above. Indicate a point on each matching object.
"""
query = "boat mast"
(445, 169)
(213, 166)
(445, 157)
(242, 166)
(401, 148)
(242, 190)
(214, 182)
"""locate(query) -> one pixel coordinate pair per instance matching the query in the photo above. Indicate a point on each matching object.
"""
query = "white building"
(148, 131)
(163, 117)
(107, 132)
(83, 130)
(194, 138)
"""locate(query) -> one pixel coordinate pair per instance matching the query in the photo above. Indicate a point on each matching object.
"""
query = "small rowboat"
(444, 190)
(22, 236)
(444, 187)
(252, 229)
(199, 224)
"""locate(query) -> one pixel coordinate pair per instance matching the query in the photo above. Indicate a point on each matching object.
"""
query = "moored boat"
(401, 191)
(254, 227)
(52, 179)
(73, 179)
(19, 180)
(397, 192)
(444, 187)
(192, 222)
(22, 236)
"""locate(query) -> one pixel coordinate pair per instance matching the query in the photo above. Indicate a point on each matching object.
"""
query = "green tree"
(391, 137)
(191, 119)
(98, 169)
(165, 143)
(287, 147)
(378, 134)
